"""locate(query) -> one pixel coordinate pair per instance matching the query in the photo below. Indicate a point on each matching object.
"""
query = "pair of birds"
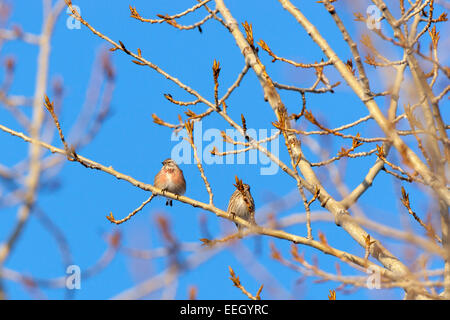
(170, 178)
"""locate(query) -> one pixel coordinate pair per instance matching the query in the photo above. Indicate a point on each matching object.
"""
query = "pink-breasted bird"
(242, 205)
(170, 178)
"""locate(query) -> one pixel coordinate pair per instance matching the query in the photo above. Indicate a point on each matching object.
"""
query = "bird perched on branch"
(170, 178)
(242, 204)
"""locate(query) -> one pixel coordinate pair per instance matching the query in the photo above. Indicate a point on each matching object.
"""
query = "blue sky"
(131, 143)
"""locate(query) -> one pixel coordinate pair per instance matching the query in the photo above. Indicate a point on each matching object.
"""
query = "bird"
(242, 205)
(170, 178)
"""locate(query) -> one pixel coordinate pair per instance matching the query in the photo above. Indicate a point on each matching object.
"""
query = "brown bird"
(242, 205)
(170, 178)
